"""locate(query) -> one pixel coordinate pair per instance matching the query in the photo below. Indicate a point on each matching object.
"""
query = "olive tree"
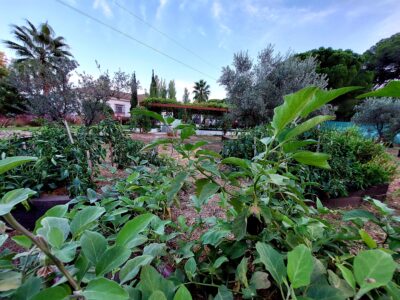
(381, 113)
(254, 89)
(48, 90)
(94, 93)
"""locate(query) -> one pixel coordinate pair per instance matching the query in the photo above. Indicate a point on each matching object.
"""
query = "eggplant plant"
(273, 243)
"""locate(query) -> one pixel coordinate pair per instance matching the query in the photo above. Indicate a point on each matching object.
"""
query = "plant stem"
(42, 245)
(71, 139)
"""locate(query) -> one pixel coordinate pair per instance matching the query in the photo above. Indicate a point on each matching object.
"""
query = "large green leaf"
(12, 162)
(176, 185)
(84, 218)
(300, 266)
(190, 268)
(10, 280)
(93, 246)
(372, 269)
(182, 294)
(392, 89)
(322, 97)
(324, 292)
(131, 229)
(238, 162)
(132, 267)
(223, 294)
(151, 280)
(368, 240)
(347, 275)
(149, 113)
(241, 272)
(12, 198)
(306, 126)
(28, 289)
(273, 261)
(54, 293)
(111, 259)
(104, 289)
(54, 230)
(157, 295)
(315, 159)
(56, 211)
(291, 108)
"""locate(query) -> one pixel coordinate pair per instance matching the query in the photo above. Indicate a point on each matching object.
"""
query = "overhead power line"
(133, 38)
(162, 33)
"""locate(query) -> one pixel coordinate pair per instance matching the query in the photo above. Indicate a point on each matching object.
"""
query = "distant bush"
(247, 144)
(140, 121)
(356, 162)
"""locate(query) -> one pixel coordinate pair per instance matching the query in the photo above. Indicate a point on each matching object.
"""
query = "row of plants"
(122, 243)
(356, 162)
(211, 103)
(62, 163)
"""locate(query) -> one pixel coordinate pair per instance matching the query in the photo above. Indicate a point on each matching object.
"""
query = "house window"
(119, 109)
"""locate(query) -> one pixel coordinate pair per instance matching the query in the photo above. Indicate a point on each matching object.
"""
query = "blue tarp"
(366, 130)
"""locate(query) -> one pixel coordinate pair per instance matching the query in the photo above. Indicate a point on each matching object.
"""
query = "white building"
(121, 105)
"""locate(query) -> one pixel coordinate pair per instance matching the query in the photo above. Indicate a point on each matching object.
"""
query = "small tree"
(94, 93)
(382, 113)
(162, 89)
(201, 91)
(140, 121)
(135, 84)
(186, 95)
(48, 91)
(154, 93)
(171, 90)
(254, 89)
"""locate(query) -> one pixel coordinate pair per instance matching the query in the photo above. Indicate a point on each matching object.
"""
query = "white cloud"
(216, 9)
(160, 8)
(104, 7)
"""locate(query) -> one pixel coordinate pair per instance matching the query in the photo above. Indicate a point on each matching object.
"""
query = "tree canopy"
(254, 89)
(384, 59)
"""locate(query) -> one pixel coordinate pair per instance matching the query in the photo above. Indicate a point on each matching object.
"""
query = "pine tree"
(162, 89)
(134, 92)
(171, 90)
(186, 98)
(153, 86)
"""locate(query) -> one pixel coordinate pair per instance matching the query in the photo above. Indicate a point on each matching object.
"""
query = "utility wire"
(133, 38)
(162, 33)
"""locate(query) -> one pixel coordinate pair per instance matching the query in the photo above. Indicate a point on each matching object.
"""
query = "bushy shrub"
(247, 144)
(356, 162)
(59, 163)
(267, 243)
(140, 121)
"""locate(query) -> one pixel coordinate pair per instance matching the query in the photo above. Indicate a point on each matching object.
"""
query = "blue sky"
(212, 29)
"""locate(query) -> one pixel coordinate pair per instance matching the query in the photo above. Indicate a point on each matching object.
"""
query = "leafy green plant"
(270, 245)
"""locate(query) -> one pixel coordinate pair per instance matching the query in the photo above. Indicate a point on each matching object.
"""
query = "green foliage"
(269, 242)
(383, 59)
(356, 163)
(380, 113)
(154, 92)
(134, 84)
(201, 91)
(140, 121)
(342, 67)
(172, 90)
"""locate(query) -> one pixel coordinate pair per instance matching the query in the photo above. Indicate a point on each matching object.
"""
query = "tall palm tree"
(201, 91)
(37, 44)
